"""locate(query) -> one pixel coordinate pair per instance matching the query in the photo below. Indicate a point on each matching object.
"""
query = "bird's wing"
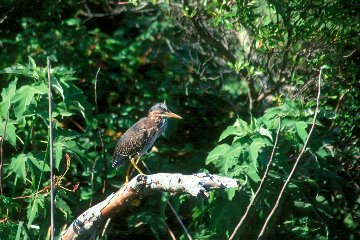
(153, 134)
(131, 143)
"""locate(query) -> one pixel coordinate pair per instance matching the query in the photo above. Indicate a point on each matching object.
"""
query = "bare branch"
(261, 183)
(261, 234)
(197, 185)
(212, 41)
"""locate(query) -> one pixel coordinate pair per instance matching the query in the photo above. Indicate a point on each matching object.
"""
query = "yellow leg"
(127, 173)
(135, 166)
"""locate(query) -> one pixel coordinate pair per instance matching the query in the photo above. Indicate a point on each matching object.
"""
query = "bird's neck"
(157, 118)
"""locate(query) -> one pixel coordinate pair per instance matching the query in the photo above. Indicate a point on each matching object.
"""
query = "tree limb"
(197, 185)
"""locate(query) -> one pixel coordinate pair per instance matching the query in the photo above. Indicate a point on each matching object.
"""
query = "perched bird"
(140, 137)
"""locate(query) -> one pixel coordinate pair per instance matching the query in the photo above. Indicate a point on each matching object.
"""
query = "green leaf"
(65, 142)
(25, 95)
(231, 158)
(17, 166)
(254, 152)
(19, 230)
(265, 132)
(30, 70)
(10, 131)
(72, 22)
(325, 152)
(39, 163)
(231, 130)
(216, 153)
(55, 84)
(33, 209)
(63, 207)
(7, 95)
(78, 107)
(231, 193)
(301, 130)
(325, 67)
(252, 173)
(59, 147)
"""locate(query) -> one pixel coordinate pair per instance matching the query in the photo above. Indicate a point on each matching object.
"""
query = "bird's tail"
(119, 161)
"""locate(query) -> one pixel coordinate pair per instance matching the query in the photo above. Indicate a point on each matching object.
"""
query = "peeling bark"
(197, 185)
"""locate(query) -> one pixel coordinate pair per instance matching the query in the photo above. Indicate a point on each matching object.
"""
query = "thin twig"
(261, 234)
(172, 235)
(105, 228)
(102, 143)
(95, 92)
(172, 208)
(261, 183)
(1, 147)
(349, 54)
(51, 154)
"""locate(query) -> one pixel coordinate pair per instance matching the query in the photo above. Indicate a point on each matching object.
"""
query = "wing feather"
(131, 143)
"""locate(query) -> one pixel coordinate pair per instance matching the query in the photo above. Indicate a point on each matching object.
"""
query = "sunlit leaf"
(10, 131)
(265, 132)
(7, 95)
(216, 153)
(25, 95)
(301, 130)
(231, 130)
(18, 166)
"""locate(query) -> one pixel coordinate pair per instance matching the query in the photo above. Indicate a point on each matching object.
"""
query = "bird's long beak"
(172, 115)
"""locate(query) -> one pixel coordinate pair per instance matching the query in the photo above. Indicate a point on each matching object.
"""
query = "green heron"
(140, 137)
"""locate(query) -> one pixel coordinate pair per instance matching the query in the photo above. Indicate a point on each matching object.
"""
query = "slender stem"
(105, 228)
(260, 186)
(1, 147)
(261, 234)
(51, 155)
(102, 143)
(172, 208)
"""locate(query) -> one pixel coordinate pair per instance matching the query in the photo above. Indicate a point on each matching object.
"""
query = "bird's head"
(162, 111)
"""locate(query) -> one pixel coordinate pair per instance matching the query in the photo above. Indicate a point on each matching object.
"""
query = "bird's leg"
(127, 174)
(135, 166)
(129, 168)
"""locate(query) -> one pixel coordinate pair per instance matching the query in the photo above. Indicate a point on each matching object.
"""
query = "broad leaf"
(216, 153)
(18, 166)
(231, 130)
(10, 134)
(25, 95)
(7, 95)
(63, 207)
(231, 158)
(33, 209)
(301, 130)
(254, 148)
(252, 172)
(39, 163)
(265, 132)
(55, 84)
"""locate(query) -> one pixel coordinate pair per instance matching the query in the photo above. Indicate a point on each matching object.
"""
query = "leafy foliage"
(230, 68)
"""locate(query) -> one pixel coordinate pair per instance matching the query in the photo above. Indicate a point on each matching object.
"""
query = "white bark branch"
(197, 185)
